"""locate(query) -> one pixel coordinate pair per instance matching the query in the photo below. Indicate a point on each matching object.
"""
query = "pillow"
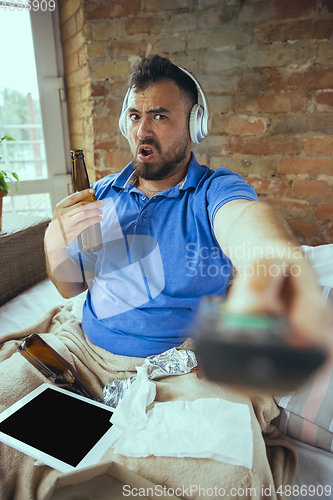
(321, 258)
(307, 414)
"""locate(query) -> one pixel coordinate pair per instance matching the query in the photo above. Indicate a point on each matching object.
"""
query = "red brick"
(319, 146)
(286, 9)
(139, 25)
(275, 187)
(253, 80)
(290, 208)
(119, 89)
(322, 29)
(302, 124)
(305, 166)
(281, 32)
(326, 6)
(105, 144)
(159, 5)
(324, 211)
(100, 162)
(126, 49)
(239, 125)
(307, 188)
(252, 166)
(324, 101)
(97, 49)
(313, 79)
(274, 103)
(99, 89)
(276, 9)
(265, 145)
(114, 106)
(303, 228)
(100, 109)
(105, 125)
(117, 160)
(124, 8)
(110, 69)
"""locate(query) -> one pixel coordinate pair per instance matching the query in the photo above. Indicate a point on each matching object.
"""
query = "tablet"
(59, 428)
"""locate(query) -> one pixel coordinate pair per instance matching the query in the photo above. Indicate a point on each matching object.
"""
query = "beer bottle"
(52, 365)
(90, 240)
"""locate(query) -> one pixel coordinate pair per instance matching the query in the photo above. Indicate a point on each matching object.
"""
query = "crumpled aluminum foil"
(114, 391)
(171, 362)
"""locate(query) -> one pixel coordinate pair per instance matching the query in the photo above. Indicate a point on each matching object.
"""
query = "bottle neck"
(80, 175)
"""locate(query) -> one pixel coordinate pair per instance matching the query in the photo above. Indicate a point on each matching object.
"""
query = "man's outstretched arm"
(273, 277)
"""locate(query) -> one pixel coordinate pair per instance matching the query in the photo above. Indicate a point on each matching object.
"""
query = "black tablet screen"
(59, 425)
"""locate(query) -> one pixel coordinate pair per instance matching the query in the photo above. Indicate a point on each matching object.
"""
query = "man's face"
(157, 125)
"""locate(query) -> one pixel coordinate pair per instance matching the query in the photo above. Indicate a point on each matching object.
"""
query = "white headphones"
(200, 121)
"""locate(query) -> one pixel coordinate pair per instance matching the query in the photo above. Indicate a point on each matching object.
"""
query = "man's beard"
(169, 164)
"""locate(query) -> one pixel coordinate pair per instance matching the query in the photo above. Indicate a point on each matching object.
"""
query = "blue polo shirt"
(159, 257)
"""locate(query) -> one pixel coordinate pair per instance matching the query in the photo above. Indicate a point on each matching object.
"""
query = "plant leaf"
(4, 186)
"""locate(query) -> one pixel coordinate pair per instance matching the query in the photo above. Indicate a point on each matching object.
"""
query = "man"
(172, 230)
(192, 219)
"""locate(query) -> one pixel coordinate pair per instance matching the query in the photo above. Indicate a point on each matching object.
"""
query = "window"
(32, 111)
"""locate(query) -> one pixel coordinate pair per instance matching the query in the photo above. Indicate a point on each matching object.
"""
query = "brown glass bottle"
(90, 240)
(49, 362)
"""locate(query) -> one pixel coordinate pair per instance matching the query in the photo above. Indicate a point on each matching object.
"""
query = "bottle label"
(90, 198)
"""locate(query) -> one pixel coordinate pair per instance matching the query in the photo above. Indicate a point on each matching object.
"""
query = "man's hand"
(273, 276)
(287, 288)
(71, 216)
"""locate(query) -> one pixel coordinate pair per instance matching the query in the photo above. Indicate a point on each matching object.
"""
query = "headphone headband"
(200, 121)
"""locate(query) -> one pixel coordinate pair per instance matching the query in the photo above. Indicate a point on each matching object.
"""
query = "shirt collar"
(132, 179)
(194, 173)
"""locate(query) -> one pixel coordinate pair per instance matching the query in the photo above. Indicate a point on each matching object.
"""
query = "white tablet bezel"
(92, 457)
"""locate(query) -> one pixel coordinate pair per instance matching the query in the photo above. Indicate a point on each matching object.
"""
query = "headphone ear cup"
(123, 115)
(122, 123)
(196, 124)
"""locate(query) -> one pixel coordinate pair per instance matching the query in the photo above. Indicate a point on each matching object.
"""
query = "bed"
(315, 472)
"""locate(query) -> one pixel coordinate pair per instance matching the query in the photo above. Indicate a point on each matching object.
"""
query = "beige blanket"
(274, 463)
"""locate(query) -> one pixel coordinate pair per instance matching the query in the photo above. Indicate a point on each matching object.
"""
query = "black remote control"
(252, 350)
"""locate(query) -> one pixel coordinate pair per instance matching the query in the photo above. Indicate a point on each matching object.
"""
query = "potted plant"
(5, 177)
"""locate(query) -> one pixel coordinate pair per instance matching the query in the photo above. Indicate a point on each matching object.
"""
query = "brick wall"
(266, 67)
(78, 78)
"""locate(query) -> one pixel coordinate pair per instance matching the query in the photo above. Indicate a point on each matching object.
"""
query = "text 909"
(34, 5)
